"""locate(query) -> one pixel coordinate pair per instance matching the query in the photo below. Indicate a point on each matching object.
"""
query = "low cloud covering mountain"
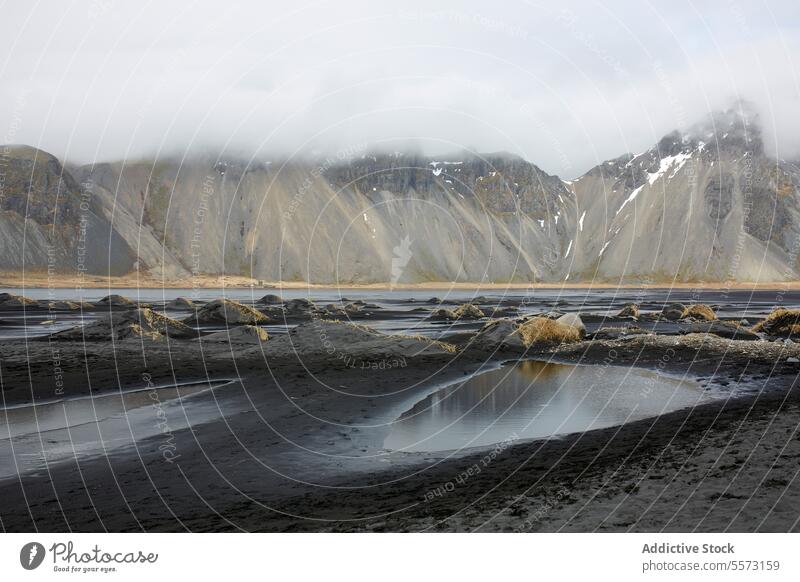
(702, 205)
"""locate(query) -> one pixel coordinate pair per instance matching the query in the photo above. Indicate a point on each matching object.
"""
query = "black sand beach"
(296, 441)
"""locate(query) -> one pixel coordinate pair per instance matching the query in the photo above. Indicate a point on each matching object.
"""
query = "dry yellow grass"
(700, 311)
(629, 310)
(548, 331)
(468, 311)
(781, 321)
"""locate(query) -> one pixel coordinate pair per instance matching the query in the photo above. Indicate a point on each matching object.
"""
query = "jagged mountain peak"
(735, 130)
(704, 204)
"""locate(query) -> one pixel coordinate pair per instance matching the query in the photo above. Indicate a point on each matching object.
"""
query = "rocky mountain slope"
(704, 205)
(378, 218)
(47, 223)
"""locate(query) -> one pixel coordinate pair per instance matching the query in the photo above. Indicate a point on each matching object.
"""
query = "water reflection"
(33, 436)
(534, 400)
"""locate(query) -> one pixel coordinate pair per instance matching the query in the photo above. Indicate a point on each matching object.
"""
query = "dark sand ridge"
(727, 464)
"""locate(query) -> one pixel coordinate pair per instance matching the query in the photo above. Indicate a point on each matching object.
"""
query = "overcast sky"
(564, 85)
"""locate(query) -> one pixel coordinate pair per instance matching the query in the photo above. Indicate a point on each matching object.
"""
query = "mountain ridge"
(702, 205)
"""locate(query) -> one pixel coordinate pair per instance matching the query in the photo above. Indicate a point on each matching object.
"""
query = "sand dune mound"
(539, 330)
(535, 331)
(615, 333)
(349, 342)
(781, 322)
(723, 329)
(673, 311)
(180, 303)
(629, 310)
(66, 305)
(228, 312)
(11, 300)
(141, 322)
(299, 305)
(466, 311)
(243, 334)
(115, 301)
(271, 299)
(699, 311)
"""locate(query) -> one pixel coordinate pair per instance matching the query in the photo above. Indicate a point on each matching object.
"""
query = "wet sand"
(305, 450)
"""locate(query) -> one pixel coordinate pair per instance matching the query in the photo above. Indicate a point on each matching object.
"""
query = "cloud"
(565, 86)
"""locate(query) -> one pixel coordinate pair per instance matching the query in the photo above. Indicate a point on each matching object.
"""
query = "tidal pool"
(535, 399)
(32, 436)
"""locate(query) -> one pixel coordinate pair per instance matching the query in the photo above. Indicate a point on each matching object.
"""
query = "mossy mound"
(781, 322)
(11, 300)
(468, 311)
(243, 334)
(115, 300)
(699, 311)
(137, 323)
(228, 312)
(541, 330)
(629, 310)
(532, 332)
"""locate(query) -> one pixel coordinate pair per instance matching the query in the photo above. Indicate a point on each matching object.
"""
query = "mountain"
(46, 222)
(377, 218)
(702, 205)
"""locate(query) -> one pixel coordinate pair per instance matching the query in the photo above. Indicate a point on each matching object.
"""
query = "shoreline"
(39, 280)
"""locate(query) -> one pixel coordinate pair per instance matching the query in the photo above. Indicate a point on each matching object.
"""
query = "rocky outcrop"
(573, 321)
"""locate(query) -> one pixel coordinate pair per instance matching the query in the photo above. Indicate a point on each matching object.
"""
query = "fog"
(563, 85)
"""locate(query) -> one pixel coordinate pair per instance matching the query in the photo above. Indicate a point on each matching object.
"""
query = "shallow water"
(534, 399)
(16, 323)
(34, 436)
